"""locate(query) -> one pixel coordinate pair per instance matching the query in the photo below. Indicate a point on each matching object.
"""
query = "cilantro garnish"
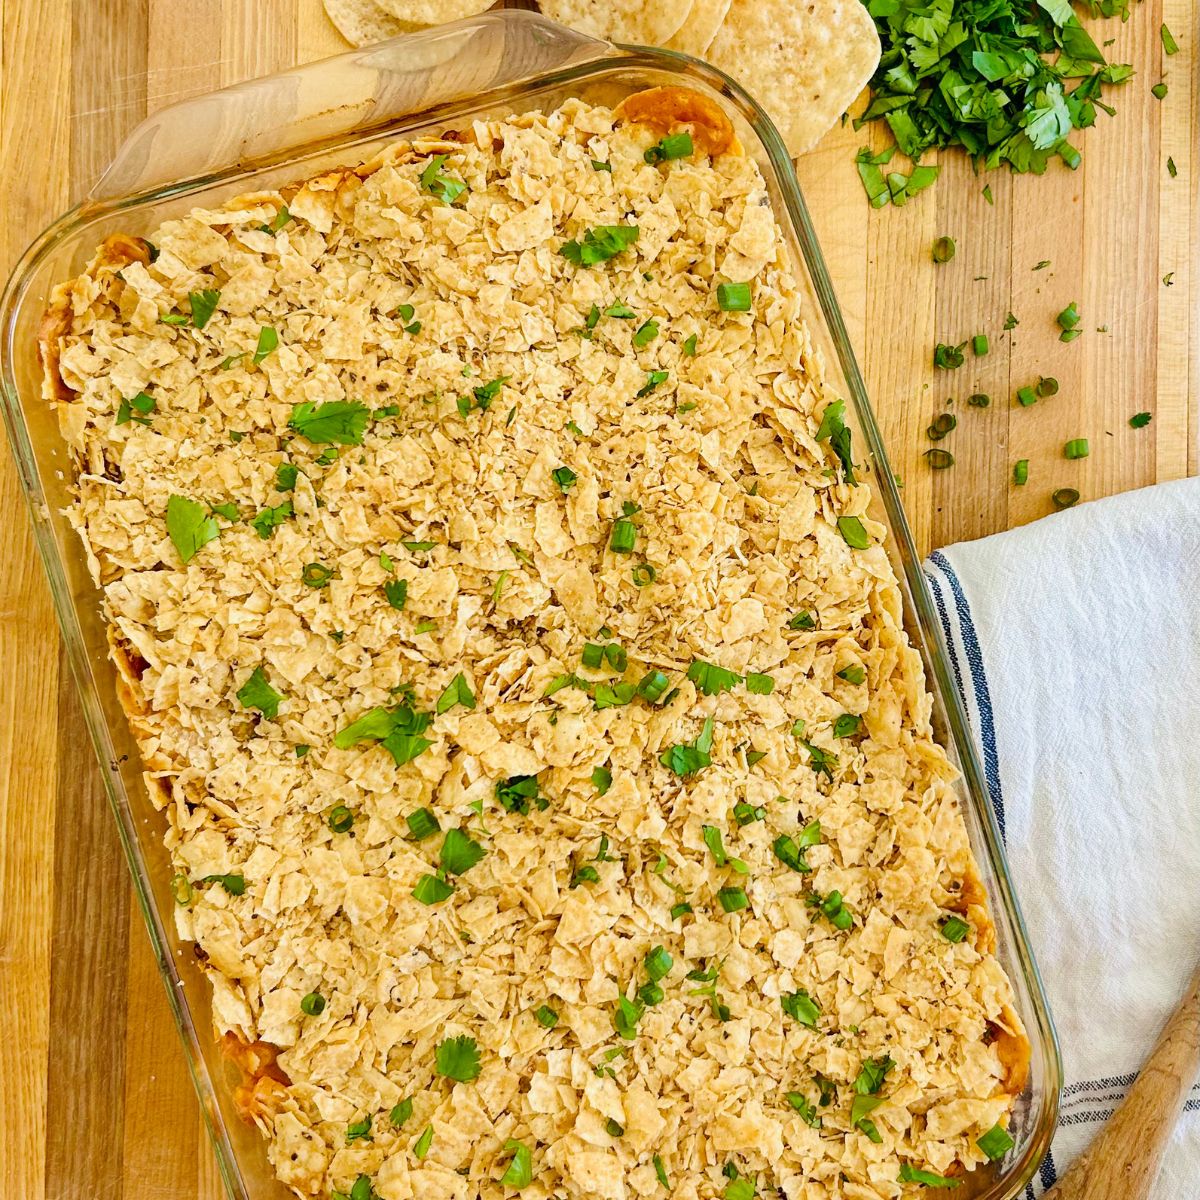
(142, 405)
(599, 244)
(519, 792)
(688, 758)
(399, 730)
(266, 522)
(339, 422)
(439, 185)
(458, 692)
(834, 427)
(458, 1058)
(268, 340)
(189, 525)
(204, 304)
(710, 679)
(256, 692)
(988, 77)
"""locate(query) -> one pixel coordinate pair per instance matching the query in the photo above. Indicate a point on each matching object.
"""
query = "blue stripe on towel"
(983, 699)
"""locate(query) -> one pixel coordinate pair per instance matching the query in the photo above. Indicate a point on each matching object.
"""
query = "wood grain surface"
(99, 1103)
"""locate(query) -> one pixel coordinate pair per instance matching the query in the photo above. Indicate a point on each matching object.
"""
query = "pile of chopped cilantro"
(992, 76)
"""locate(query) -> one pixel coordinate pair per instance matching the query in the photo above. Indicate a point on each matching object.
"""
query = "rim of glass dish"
(609, 58)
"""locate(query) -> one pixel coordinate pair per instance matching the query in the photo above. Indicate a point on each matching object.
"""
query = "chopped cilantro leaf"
(339, 422)
(439, 185)
(599, 244)
(189, 525)
(457, 1058)
(256, 692)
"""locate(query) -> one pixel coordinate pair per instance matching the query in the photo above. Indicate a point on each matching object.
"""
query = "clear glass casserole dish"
(269, 132)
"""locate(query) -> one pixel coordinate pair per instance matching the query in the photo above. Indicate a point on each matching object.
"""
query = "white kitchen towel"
(1075, 642)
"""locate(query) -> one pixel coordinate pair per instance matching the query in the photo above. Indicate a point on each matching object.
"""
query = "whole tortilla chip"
(433, 12)
(803, 62)
(644, 22)
(362, 22)
(696, 34)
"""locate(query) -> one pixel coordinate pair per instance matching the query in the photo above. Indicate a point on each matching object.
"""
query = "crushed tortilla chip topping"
(689, 845)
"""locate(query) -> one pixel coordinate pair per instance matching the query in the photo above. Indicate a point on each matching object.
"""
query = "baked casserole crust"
(494, 602)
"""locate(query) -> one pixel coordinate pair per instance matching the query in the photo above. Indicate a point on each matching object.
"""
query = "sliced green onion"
(802, 620)
(938, 458)
(1069, 317)
(979, 399)
(1076, 448)
(674, 145)
(680, 909)
(312, 1005)
(943, 423)
(658, 964)
(1026, 396)
(1021, 471)
(316, 575)
(1047, 385)
(847, 725)
(624, 535)
(340, 818)
(652, 685)
(943, 249)
(601, 780)
(996, 1143)
(732, 899)
(979, 344)
(948, 358)
(644, 574)
(546, 1017)
(1065, 497)
(565, 478)
(661, 1172)
(911, 1174)
(422, 824)
(733, 297)
(954, 929)
(853, 674)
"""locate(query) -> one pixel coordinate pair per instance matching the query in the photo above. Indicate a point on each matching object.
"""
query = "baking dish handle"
(262, 120)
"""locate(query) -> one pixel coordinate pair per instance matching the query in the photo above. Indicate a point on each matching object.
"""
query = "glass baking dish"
(269, 132)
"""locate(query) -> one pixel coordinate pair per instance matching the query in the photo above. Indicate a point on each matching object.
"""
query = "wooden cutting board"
(100, 1106)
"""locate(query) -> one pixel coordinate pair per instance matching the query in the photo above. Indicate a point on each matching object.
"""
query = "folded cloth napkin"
(1075, 642)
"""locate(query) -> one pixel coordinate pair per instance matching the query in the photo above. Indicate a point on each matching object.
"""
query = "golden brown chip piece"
(362, 22)
(696, 34)
(645, 24)
(804, 63)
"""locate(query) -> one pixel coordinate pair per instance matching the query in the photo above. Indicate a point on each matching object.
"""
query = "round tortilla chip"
(433, 12)
(696, 34)
(803, 62)
(643, 22)
(362, 22)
